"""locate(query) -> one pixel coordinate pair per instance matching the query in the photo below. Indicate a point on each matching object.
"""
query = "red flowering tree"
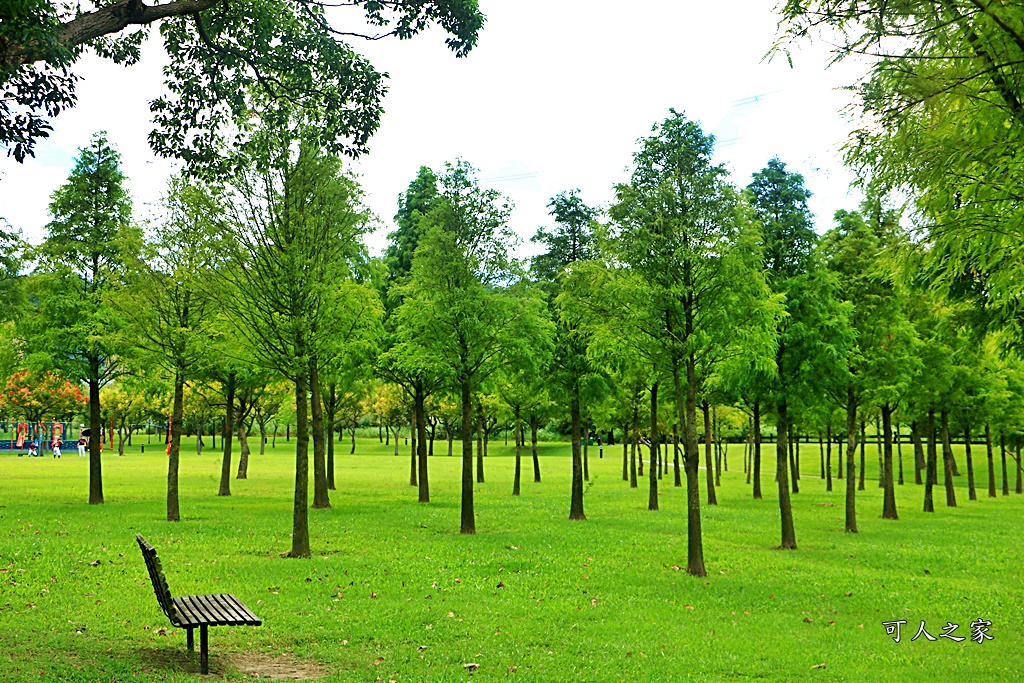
(37, 397)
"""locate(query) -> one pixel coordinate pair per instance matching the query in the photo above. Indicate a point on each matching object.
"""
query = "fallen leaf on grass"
(847, 594)
(819, 666)
(95, 563)
(373, 595)
(501, 584)
(593, 602)
(675, 567)
(421, 648)
(807, 620)
(471, 666)
(513, 669)
(451, 614)
(688, 606)
(379, 660)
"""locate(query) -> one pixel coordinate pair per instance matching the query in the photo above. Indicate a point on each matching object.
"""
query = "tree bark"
(889, 498)
(972, 494)
(229, 423)
(576, 501)
(863, 442)
(1020, 469)
(332, 423)
(795, 476)
(173, 513)
(828, 457)
(468, 522)
(586, 444)
(300, 505)
(519, 448)
(480, 446)
(708, 466)
(95, 435)
(243, 448)
(947, 457)
(634, 444)
(421, 443)
(691, 457)
(1002, 455)
(414, 426)
(782, 467)
(533, 445)
(851, 455)
(899, 453)
(757, 450)
(931, 474)
(652, 498)
(919, 460)
(991, 464)
(321, 497)
(625, 453)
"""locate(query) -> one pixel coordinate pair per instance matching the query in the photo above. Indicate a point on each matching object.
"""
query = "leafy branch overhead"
(231, 65)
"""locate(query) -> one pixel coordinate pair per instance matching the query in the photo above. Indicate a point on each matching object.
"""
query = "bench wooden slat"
(213, 607)
(245, 611)
(198, 609)
(227, 606)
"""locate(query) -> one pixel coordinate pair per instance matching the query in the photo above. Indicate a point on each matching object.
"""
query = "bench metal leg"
(190, 640)
(204, 650)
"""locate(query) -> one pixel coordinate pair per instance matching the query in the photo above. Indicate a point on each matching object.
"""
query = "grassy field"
(394, 593)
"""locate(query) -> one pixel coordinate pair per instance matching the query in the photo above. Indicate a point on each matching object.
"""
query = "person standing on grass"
(56, 449)
(32, 452)
(81, 447)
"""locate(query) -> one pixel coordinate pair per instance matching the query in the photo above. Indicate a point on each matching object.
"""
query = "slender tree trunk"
(691, 456)
(576, 502)
(229, 422)
(675, 455)
(519, 449)
(414, 426)
(828, 457)
(652, 498)
(586, 443)
(792, 461)
(634, 444)
(881, 459)
(173, 513)
(863, 441)
(468, 525)
(709, 468)
(757, 450)
(972, 494)
(1020, 472)
(717, 446)
(947, 456)
(625, 453)
(300, 506)
(95, 435)
(263, 439)
(480, 446)
(451, 438)
(889, 499)
(821, 453)
(851, 455)
(421, 444)
(930, 475)
(321, 496)
(243, 448)
(899, 452)
(533, 445)
(1002, 455)
(919, 461)
(991, 464)
(781, 448)
(332, 424)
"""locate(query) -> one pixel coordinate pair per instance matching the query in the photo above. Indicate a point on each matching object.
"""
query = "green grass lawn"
(395, 593)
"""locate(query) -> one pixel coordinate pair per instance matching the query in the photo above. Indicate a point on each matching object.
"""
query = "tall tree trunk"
(421, 443)
(1019, 488)
(919, 461)
(576, 502)
(717, 446)
(1002, 455)
(821, 453)
(931, 474)
(757, 450)
(229, 423)
(675, 456)
(480, 446)
(243, 448)
(534, 424)
(899, 452)
(691, 456)
(947, 456)
(625, 453)
(173, 513)
(300, 505)
(451, 437)
(863, 443)
(414, 426)
(795, 476)
(851, 460)
(332, 423)
(95, 435)
(991, 463)
(652, 498)
(881, 459)
(634, 445)
(782, 467)
(972, 494)
(828, 457)
(468, 522)
(519, 448)
(321, 497)
(708, 466)
(263, 439)
(586, 443)
(889, 499)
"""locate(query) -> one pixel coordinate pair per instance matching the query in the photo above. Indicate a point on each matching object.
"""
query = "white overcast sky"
(554, 97)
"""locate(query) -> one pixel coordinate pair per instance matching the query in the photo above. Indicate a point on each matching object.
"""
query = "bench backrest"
(156, 575)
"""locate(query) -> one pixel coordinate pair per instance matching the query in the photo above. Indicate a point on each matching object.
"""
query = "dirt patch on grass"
(281, 668)
(256, 665)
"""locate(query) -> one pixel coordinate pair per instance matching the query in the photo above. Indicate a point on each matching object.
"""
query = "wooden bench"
(193, 611)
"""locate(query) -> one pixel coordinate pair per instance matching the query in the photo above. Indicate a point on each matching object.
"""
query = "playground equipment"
(41, 434)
